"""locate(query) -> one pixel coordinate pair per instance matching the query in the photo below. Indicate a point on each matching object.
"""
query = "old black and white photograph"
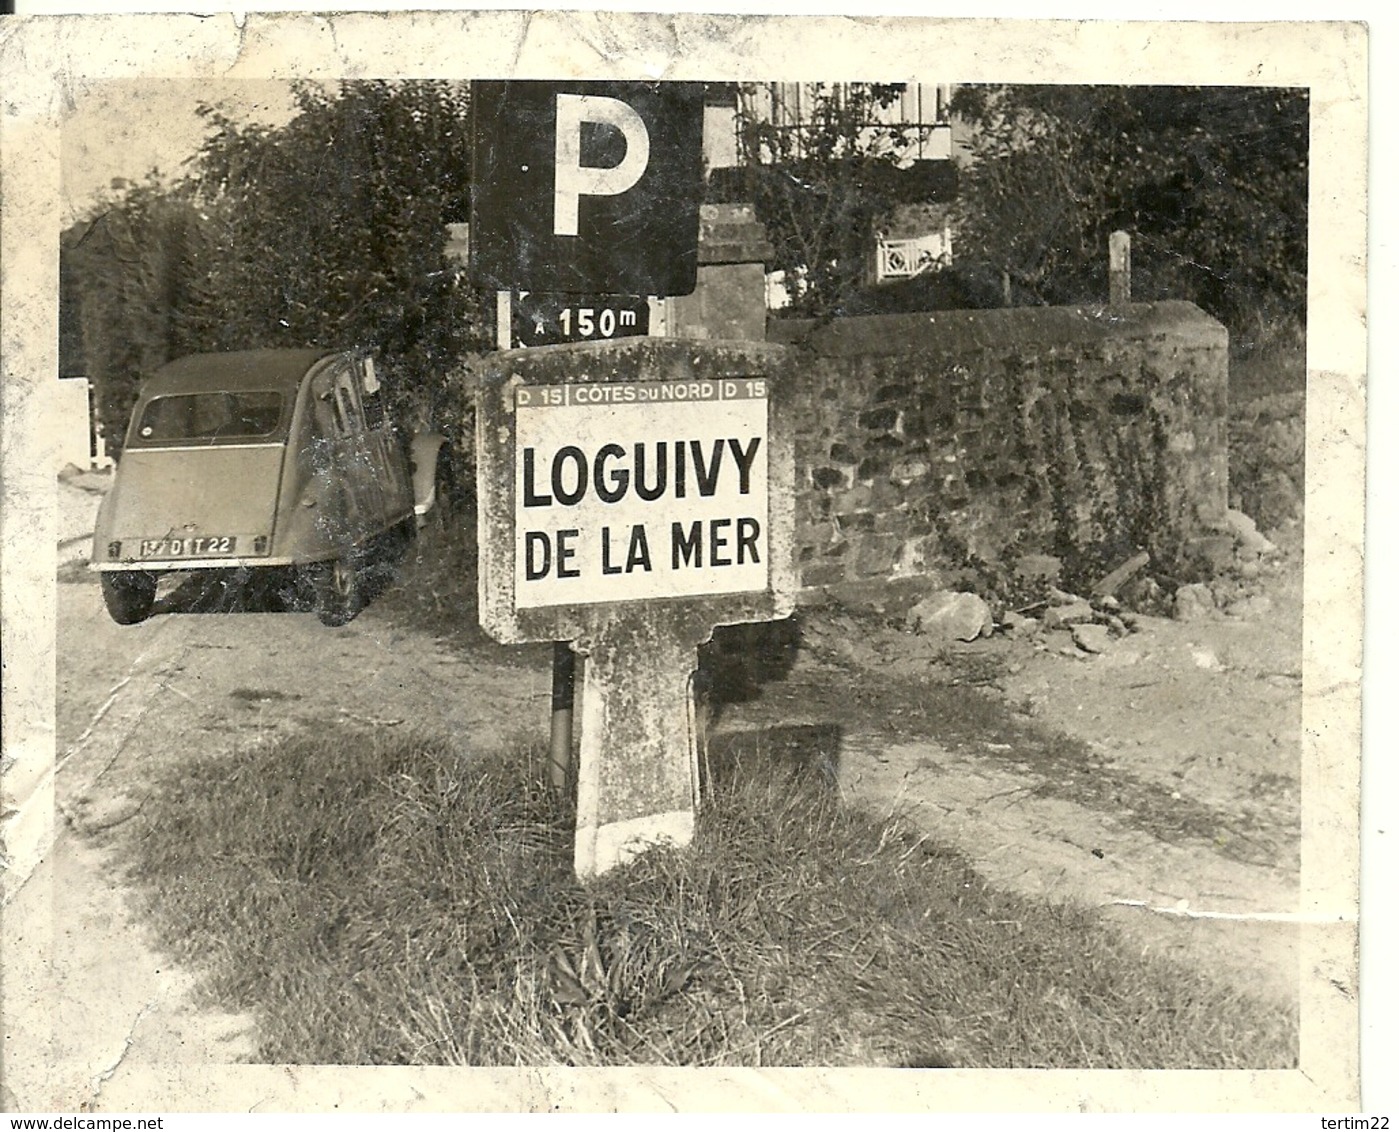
(689, 546)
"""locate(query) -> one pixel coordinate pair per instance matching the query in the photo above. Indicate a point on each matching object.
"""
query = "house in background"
(915, 129)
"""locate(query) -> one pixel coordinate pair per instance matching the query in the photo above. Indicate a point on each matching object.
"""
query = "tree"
(1211, 182)
(332, 230)
(819, 182)
(130, 268)
(328, 231)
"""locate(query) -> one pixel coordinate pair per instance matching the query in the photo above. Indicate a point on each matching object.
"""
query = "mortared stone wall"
(950, 442)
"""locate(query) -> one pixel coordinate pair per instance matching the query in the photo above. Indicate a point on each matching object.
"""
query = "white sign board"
(640, 490)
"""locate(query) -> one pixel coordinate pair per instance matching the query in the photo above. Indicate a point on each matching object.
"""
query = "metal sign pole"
(561, 770)
(502, 320)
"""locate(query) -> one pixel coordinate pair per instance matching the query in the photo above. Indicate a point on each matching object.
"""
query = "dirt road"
(131, 703)
(1159, 781)
(1203, 718)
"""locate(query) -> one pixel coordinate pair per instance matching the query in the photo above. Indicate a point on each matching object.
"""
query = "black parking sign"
(587, 187)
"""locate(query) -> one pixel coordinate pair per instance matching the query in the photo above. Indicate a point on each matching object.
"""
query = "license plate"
(201, 546)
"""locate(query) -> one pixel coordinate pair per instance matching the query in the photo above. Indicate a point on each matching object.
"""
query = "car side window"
(374, 409)
(371, 392)
(347, 398)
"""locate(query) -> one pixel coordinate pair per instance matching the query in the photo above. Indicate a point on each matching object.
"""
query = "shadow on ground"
(810, 751)
(264, 590)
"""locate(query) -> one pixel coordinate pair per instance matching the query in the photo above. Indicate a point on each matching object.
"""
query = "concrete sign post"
(634, 495)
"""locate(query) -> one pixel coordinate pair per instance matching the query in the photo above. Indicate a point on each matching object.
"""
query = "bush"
(329, 231)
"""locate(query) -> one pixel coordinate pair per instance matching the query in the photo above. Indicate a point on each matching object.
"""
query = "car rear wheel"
(337, 591)
(129, 595)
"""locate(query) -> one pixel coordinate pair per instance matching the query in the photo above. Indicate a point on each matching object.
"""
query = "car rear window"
(211, 418)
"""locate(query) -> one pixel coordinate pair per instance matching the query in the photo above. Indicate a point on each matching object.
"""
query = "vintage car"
(267, 464)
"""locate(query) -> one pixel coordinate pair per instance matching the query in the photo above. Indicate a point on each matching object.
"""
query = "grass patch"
(435, 587)
(379, 900)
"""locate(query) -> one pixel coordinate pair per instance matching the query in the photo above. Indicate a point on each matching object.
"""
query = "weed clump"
(388, 900)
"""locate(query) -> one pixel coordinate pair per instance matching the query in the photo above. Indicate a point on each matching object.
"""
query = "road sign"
(549, 320)
(643, 490)
(632, 496)
(587, 187)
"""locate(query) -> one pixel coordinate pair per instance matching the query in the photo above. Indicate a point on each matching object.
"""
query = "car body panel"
(168, 494)
(255, 458)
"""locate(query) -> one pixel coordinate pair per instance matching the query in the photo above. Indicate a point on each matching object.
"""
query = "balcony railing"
(903, 259)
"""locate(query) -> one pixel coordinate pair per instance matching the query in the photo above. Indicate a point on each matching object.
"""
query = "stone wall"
(963, 442)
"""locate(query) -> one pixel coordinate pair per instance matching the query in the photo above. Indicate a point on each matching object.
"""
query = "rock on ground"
(1076, 612)
(1092, 638)
(1194, 602)
(951, 616)
(1245, 531)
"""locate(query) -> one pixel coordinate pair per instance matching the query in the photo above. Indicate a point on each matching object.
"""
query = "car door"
(362, 468)
(396, 489)
(338, 460)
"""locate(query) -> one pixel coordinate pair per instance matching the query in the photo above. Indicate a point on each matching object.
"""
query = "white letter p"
(572, 179)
